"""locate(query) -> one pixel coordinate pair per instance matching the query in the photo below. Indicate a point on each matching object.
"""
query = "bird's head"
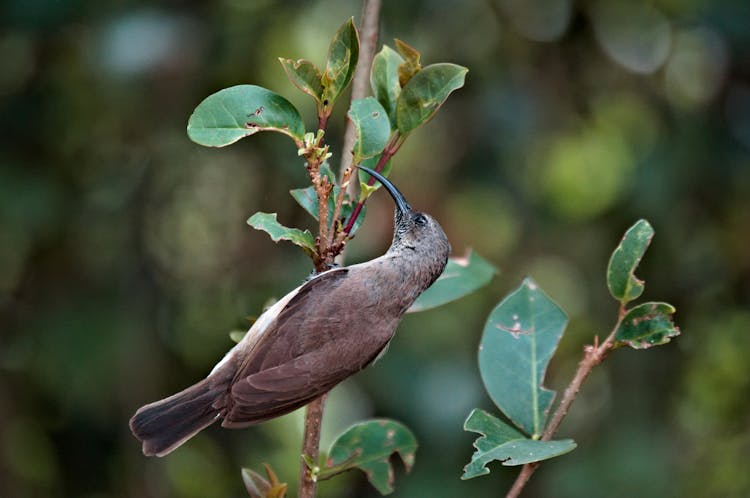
(413, 230)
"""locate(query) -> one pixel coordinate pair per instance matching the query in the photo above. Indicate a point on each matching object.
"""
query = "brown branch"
(311, 446)
(592, 356)
(368, 38)
(328, 245)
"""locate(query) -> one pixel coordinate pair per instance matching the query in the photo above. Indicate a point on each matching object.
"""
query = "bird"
(322, 332)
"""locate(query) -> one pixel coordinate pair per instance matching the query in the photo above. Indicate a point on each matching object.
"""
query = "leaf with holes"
(343, 54)
(425, 92)
(304, 75)
(267, 222)
(646, 325)
(240, 111)
(461, 277)
(384, 80)
(369, 445)
(371, 126)
(501, 442)
(519, 338)
(621, 280)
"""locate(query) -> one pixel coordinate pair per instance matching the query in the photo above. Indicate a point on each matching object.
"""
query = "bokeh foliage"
(125, 258)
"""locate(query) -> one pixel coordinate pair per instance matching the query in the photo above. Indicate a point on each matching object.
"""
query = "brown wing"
(329, 330)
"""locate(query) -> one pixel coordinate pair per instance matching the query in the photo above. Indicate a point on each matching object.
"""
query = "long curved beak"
(398, 197)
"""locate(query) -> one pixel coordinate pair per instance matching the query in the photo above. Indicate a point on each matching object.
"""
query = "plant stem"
(311, 445)
(592, 356)
(314, 410)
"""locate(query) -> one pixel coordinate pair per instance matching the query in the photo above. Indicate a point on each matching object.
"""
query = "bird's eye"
(420, 220)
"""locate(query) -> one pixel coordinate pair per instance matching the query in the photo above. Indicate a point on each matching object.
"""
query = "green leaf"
(267, 222)
(501, 442)
(621, 280)
(308, 199)
(372, 127)
(461, 277)
(369, 446)
(519, 338)
(384, 80)
(240, 111)
(411, 64)
(258, 486)
(423, 95)
(343, 54)
(304, 75)
(646, 325)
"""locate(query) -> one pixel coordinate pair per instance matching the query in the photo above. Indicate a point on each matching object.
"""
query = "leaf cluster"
(406, 95)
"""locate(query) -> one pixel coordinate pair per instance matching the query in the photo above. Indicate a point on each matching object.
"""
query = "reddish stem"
(388, 152)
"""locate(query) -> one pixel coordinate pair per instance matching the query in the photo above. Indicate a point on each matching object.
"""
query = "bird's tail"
(164, 425)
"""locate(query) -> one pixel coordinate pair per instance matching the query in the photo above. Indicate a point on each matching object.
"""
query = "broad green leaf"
(258, 486)
(502, 442)
(240, 111)
(384, 80)
(411, 64)
(461, 277)
(423, 95)
(343, 54)
(621, 280)
(369, 446)
(304, 75)
(372, 127)
(646, 325)
(519, 338)
(267, 222)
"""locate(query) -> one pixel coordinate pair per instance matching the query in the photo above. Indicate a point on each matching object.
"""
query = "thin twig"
(592, 356)
(314, 411)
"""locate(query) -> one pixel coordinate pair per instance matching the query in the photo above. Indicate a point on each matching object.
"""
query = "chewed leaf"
(304, 75)
(384, 80)
(621, 280)
(372, 128)
(343, 54)
(501, 442)
(267, 222)
(369, 445)
(519, 339)
(425, 92)
(240, 111)
(461, 277)
(646, 325)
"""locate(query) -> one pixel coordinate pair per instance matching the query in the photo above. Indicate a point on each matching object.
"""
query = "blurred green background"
(125, 259)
